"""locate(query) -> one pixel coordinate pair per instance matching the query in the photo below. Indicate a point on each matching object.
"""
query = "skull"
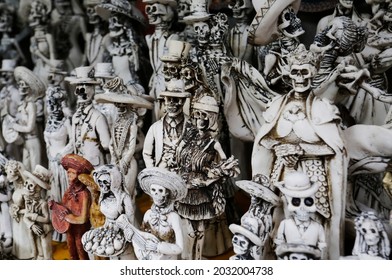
(173, 105)
(171, 70)
(183, 9)
(189, 78)
(241, 244)
(241, 8)
(103, 180)
(84, 92)
(302, 207)
(298, 256)
(38, 14)
(348, 4)
(12, 170)
(203, 31)
(159, 194)
(370, 232)
(290, 24)
(62, 6)
(159, 13)
(31, 187)
(23, 87)
(202, 119)
(116, 26)
(92, 16)
(301, 77)
(6, 21)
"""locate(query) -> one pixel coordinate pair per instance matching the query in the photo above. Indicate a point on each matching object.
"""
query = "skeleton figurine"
(42, 46)
(184, 10)
(125, 45)
(371, 240)
(204, 167)
(5, 217)
(90, 132)
(25, 125)
(259, 214)
(245, 240)
(161, 235)
(161, 15)
(238, 34)
(125, 130)
(36, 213)
(94, 50)
(108, 240)
(21, 248)
(300, 228)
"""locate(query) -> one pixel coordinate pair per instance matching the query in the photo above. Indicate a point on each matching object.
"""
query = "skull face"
(189, 77)
(370, 232)
(55, 79)
(298, 257)
(241, 244)
(92, 16)
(6, 21)
(202, 119)
(159, 194)
(290, 24)
(302, 207)
(173, 105)
(31, 187)
(116, 26)
(12, 173)
(301, 77)
(37, 15)
(202, 30)
(171, 70)
(241, 8)
(84, 92)
(24, 88)
(62, 6)
(348, 4)
(104, 181)
(159, 13)
(183, 9)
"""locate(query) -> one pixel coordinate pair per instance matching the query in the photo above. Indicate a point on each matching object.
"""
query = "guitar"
(58, 213)
(138, 239)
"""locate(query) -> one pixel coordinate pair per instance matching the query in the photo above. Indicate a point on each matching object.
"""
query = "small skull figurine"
(290, 24)
(241, 8)
(159, 13)
(159, 194)
(241, 244)
(183, 9)
(203, 32)
(116, 26)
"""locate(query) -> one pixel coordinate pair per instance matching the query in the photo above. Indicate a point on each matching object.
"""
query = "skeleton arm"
(30, 125)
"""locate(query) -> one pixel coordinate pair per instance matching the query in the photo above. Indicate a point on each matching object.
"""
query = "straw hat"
(79, 163)
(199, 11)
(258, 190)
(175, 88)
(162, 177)
(8, 65)
(297, 184)
(84, 75)
(264, 27)
(123, 7)
(207, 103)
(287, 248)
(34, 82)
(177, 51)
(40, 176)
(118, 93)
(249, 230)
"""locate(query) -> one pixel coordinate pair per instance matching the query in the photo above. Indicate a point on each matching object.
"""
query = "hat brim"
(137, 101)
(264, 27)
(197, 18)
(297, 192)
(288, 248)
(36, 180)
(175, 94)
(34, 82)
(78, 81)
(164, 178)
(234, 228)
(77, 162)
(258, 190)
(106, 10)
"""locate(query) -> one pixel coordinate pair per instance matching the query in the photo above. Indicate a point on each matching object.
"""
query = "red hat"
(79, 163)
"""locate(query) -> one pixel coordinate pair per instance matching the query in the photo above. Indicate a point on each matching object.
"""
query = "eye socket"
(309, 201)
(296, 201)
(304, 71)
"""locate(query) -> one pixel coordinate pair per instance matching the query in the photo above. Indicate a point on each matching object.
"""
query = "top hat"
(8, 65)
(297, 184)
(77, 162)
(264, 27)
(84, 75)
(40, 176)
(175, 88)
(104, 70)
(199, 11)
(177, 51)
(258, 190)
(124, 7)
(162, 177)
(35, 83)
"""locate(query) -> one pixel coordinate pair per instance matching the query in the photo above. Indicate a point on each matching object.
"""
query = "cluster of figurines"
(201, 106)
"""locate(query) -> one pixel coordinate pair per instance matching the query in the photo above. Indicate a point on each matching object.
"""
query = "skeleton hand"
(37, 229)
(152, 245)
(290, 161)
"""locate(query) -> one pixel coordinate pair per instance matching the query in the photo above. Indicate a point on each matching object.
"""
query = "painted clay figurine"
(36, 213)
(161, 235)
(244, 240)
(5, 213)
(71, 216)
